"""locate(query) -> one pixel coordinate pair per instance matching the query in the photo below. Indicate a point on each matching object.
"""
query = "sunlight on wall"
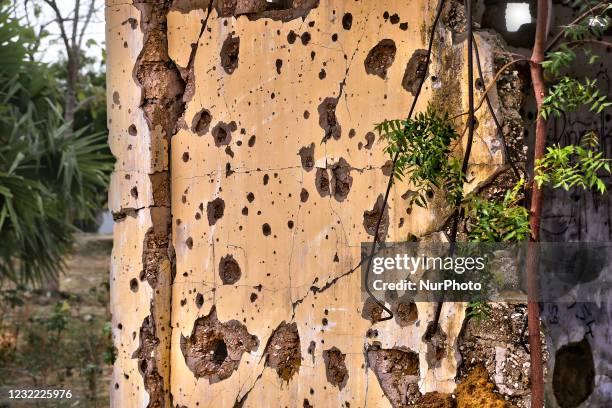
(517, 14)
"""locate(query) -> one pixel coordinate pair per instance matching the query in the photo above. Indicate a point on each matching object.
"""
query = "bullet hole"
(253, 297)
(372, 333)
(403, 26)
(380, 58)
(386, 15)
(406, 313)
(479, 84)
(189, 242)
(352, 133)
(306, 114)
(573, 374)
(307, 157)
(279, 65)
(347, 21)
(415, 69)
(201, 122)
(335, 367)
(199, 300)
(328, 120)
(370, 219)
(183, 302)
(304, 195)
(134, 192)
(436, 345)
(305, 37)
(132, 131)
(387, 168)
(266, 179)
(214, 210)
(228, 170)
(394, 19)
(290, 224)
(133, 23)
(312, 55)
(322, 74)
(147, 364)
(222, 133)
(229, 270)
(291, 37)
(341, 180)
(219, 352)
(371, 310)
(322, 182)
(116, 99)
(311, 349)
(185, 156)
(245, 211)
(306, 404)
(266, 229)
(250, 197)
(334, 37)
(336, 258)
(369, 137)
(397, 372)
(283, 351)
(134, 285)
(251, 142)
(229, 54)
(214, 349)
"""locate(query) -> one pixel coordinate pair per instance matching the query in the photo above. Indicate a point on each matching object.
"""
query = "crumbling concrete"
(214, 349)
(259, 119)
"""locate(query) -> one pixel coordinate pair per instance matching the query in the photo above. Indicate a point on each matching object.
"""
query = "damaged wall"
(248, 175)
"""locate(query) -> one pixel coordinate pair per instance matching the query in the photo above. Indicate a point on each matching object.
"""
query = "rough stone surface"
(283, 351)
(214, 349)
(214, 114)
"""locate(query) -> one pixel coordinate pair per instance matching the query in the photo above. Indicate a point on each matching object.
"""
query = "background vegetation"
(54, 171)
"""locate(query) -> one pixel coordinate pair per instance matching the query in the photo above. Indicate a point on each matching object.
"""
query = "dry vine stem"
(490, 86)
(433, 327)
(394, 161)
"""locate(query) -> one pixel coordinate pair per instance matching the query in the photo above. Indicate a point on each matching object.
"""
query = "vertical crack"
(162, 90)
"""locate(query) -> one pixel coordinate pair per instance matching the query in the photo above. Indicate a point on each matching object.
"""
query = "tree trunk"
(71, 86)
(539, 87)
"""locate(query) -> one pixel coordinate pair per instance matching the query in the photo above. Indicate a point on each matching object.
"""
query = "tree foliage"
(574, 165)
(569, 94)
(424, 144)
(505, 220)
(50, 176)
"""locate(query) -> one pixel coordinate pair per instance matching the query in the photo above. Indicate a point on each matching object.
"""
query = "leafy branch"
(569, 166)
(570, 94)
(424, 144)
(495, 221)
